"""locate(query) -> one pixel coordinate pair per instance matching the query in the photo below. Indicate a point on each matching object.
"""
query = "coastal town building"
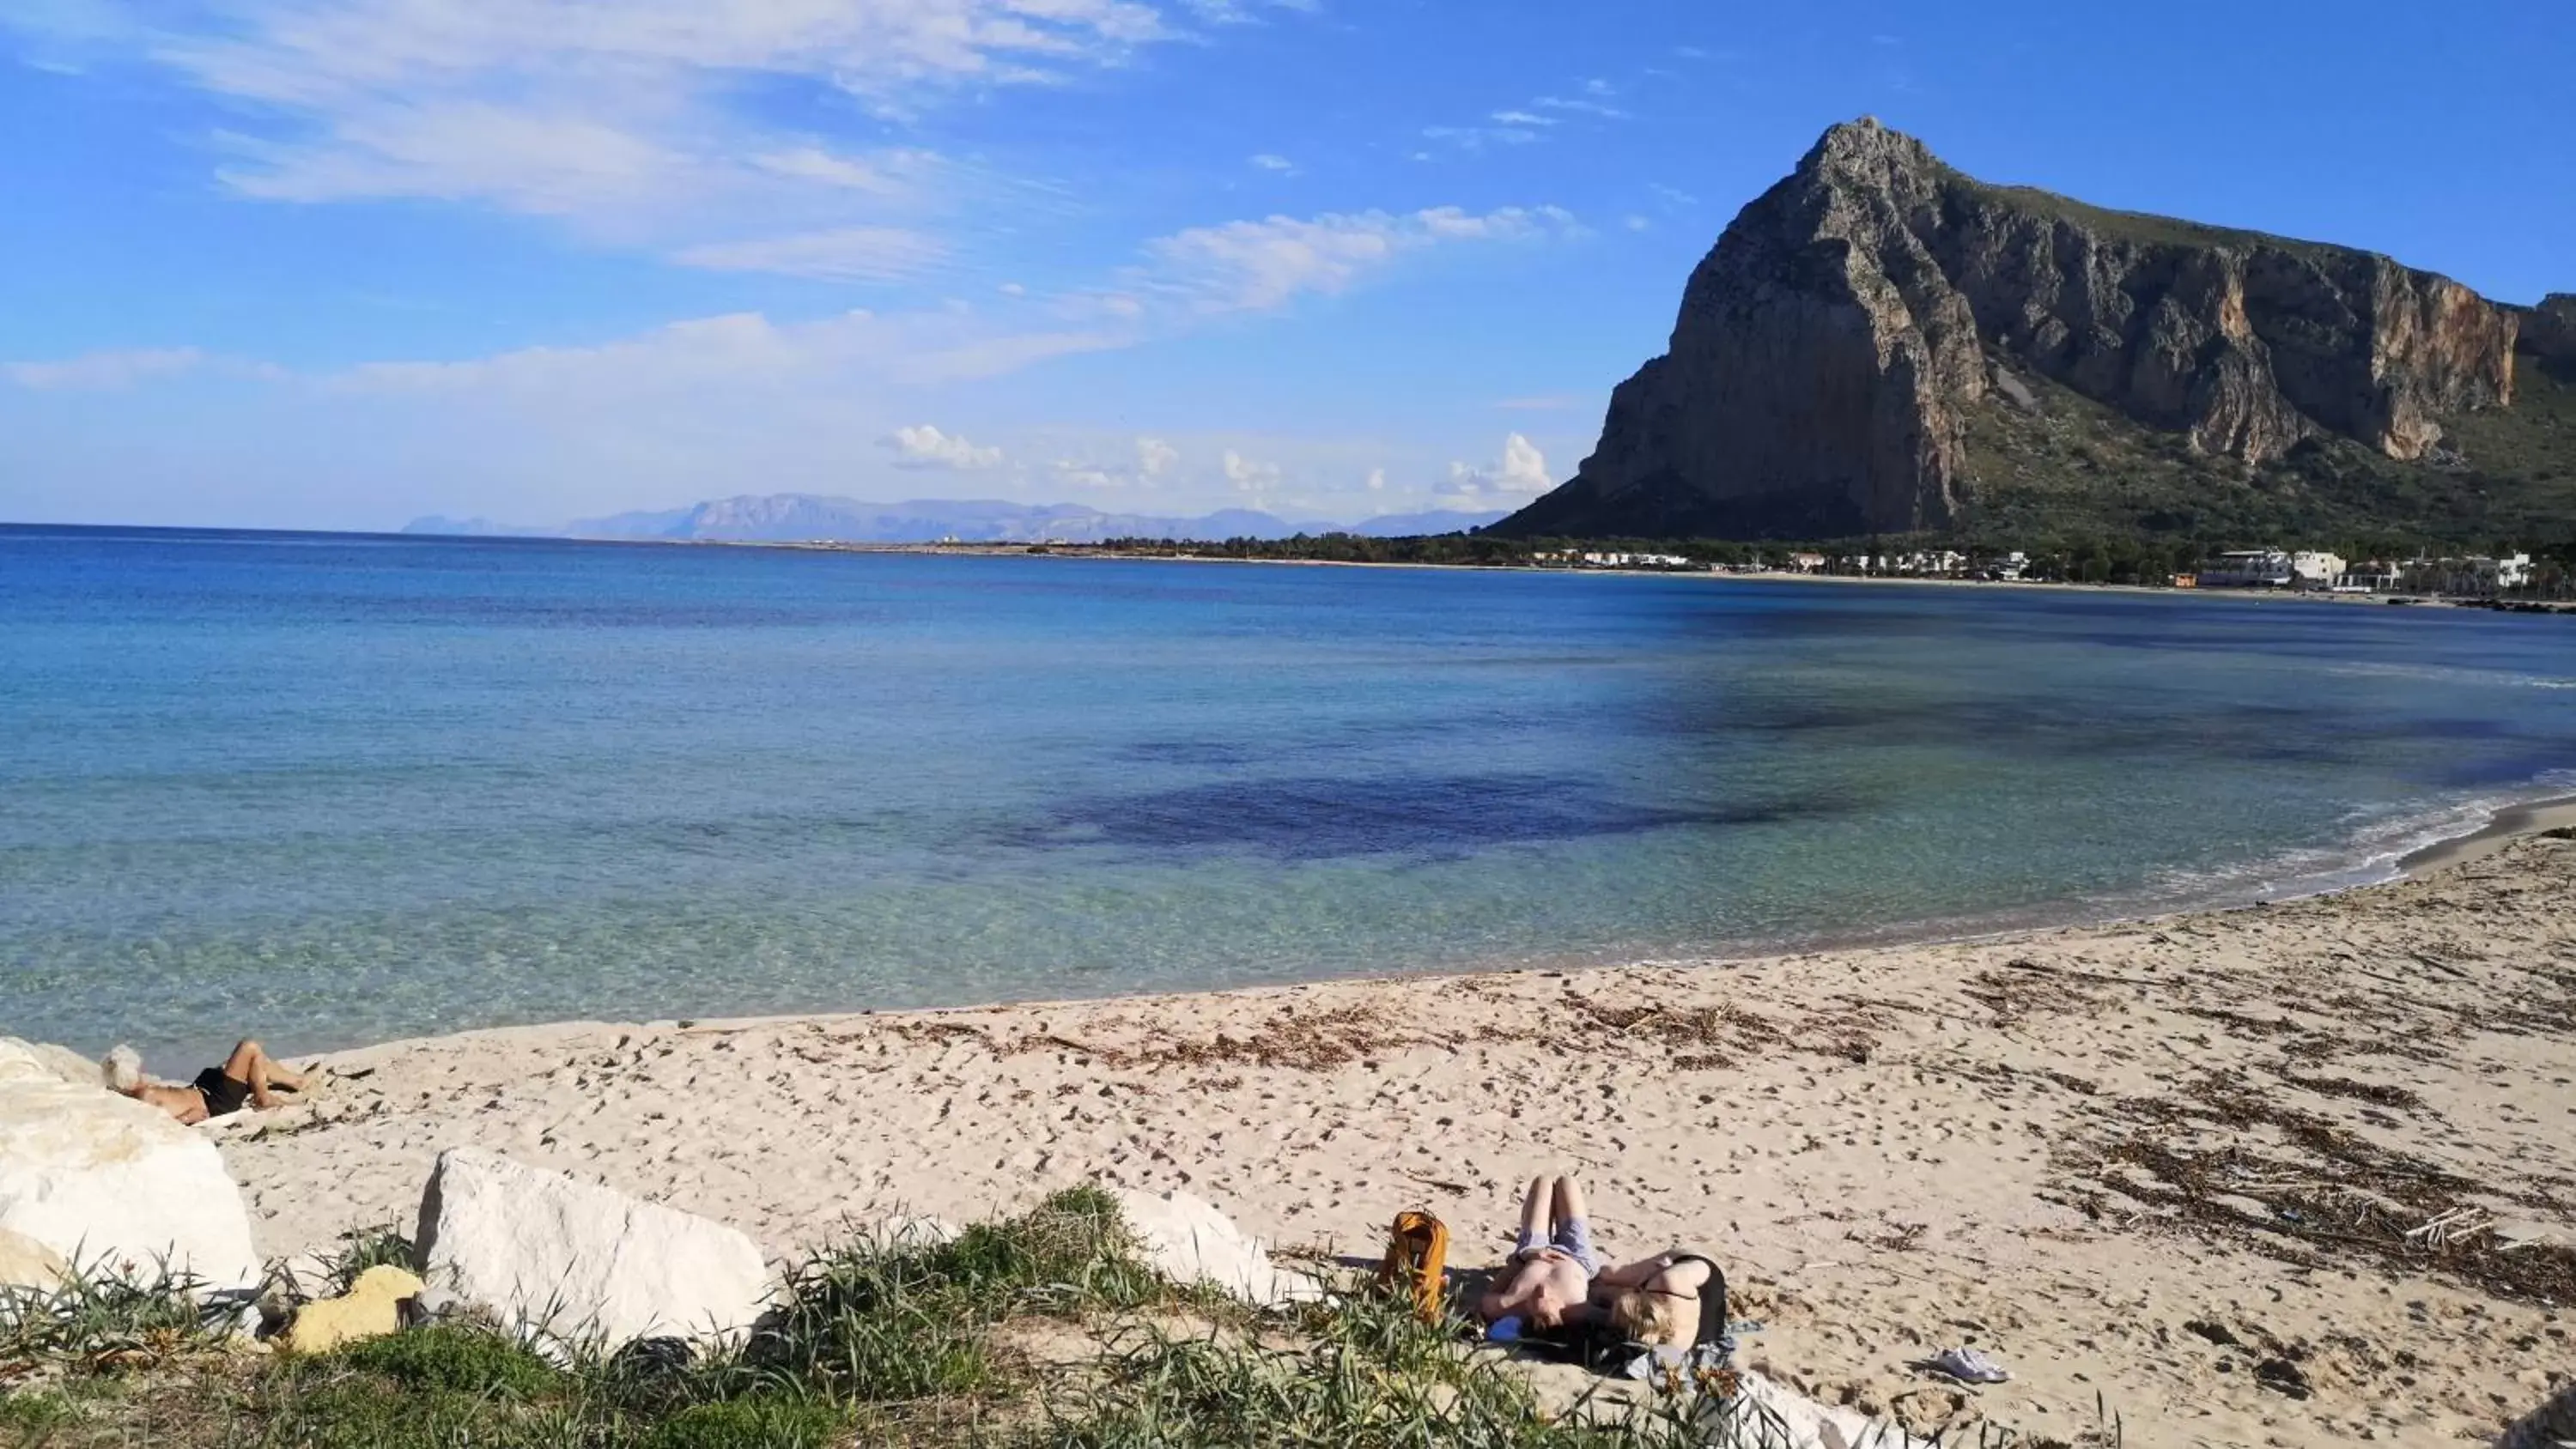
(2316, 570)
(2249, 568)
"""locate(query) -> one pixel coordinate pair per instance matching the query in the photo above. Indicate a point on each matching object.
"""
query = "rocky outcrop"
(575, 1261)
(2549, 330)
(1819, 376)
(106, 1182)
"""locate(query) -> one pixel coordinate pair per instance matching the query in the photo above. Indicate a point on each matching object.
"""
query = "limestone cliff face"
(2549, 330)
(1826, 349)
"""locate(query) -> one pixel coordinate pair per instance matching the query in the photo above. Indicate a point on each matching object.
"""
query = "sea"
(335, 789)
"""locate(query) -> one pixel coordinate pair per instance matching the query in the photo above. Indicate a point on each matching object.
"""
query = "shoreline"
(2077, 1147)
(2505, 825)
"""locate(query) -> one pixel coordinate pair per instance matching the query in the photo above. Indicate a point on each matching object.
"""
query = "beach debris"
(2456, 1225)
(2282, 1377)
(371, 1308)
(1187, 1240)
(1967, 1365)
(578, 1262)
(120, 1186)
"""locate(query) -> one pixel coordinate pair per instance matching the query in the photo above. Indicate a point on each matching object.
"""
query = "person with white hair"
(249, 1076)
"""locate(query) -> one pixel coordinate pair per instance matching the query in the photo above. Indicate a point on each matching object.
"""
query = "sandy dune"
(2172, 1163)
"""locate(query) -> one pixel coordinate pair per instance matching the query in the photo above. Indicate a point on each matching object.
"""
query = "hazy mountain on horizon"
(797, 517)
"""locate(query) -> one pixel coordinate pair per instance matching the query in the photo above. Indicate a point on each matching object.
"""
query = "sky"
(339, 263)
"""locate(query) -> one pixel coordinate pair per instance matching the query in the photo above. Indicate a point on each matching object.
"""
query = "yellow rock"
(370, 1309)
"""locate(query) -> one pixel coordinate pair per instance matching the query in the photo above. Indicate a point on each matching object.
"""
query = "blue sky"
(335, 263)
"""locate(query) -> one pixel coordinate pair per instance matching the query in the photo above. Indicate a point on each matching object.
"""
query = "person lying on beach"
(250, 1075)
(1653, 1302)
(1550, 1272)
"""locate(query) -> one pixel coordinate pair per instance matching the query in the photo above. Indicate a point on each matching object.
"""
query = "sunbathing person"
(1549, 1274)
(1655, 1302)
(250, 1075)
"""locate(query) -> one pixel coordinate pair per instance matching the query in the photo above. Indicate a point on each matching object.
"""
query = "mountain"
(792, 517)
(1882, 344)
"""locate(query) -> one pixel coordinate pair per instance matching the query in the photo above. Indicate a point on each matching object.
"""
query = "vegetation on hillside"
(2073, 469)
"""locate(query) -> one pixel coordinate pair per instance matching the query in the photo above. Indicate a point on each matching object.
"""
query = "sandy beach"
(2172, 1163)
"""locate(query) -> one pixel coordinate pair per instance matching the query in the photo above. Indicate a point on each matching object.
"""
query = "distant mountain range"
(800, 517)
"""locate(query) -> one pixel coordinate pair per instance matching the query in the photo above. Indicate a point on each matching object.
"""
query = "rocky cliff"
(1834, 348)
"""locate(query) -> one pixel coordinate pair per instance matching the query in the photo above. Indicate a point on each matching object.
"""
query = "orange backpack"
(1417, 1252)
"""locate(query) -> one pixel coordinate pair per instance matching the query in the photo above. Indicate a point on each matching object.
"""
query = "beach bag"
(1417, 1254)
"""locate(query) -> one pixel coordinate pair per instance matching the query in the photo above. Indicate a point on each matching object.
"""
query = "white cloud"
(642, 123)
(1248, 475)
(1377, 480)
(847, 254)
(1251, 266)
(924, 446)
(1635, 222)
(1154, 457)
(1578, 107)
(1523, 118)
(747, 349)
(1520, 476)
(1475, 138)
(1281, 164)
(104, 371)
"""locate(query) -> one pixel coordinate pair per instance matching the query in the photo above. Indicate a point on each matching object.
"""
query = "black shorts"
(223, 1095)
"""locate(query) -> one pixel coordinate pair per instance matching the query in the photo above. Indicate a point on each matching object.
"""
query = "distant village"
(2477, 576)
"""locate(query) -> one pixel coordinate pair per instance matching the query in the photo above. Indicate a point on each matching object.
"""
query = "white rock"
(105, 1180)
(1188, 1241)
(1808, 1424)
(543, 1251)
(26, 1263)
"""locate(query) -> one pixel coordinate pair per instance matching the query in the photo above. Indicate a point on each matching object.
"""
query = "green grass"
(874, 1342)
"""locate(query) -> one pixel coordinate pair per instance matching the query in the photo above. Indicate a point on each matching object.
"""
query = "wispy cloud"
(846, 254)
(107, 370)
(638, 123)
(1256, 266)
(1268, 162)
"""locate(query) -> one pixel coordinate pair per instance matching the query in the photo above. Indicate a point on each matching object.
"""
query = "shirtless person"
(1550, 1272)
(249, 1075)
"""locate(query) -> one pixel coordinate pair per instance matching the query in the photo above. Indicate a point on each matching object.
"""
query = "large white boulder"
(583, 1263)
(104, 1180)
(1766, 1413)
(1188, 1241)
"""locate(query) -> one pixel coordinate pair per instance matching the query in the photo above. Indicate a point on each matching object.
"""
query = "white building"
(2476, 574)
(2316, 570)
(2250, 568)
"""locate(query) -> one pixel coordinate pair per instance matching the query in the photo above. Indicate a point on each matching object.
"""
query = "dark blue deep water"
(335, 788)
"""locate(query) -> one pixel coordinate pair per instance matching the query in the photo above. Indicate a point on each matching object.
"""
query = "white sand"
(1892, 1150)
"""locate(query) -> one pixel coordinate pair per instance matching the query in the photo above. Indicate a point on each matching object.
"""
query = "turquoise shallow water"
(335, 789)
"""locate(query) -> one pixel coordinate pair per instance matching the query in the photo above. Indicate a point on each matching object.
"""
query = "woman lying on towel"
(1554, 1282)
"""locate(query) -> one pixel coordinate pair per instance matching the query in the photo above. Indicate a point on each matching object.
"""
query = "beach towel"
(1417, 1253)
